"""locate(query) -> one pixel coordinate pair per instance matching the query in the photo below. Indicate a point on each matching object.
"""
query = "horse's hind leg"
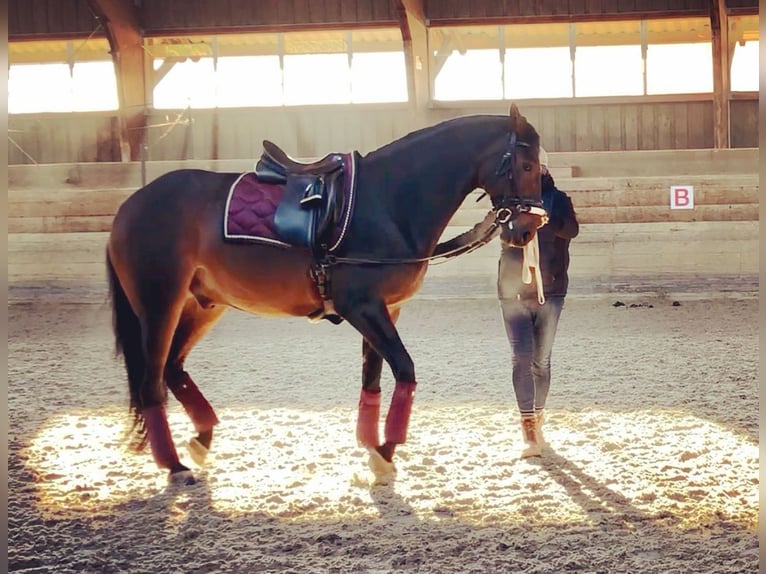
(159, 318)
(194, 324)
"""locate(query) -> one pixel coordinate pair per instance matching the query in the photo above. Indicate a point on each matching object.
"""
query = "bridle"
(511, 204)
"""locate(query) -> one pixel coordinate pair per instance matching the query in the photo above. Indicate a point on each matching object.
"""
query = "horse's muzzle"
(521, 229)
(519, 222)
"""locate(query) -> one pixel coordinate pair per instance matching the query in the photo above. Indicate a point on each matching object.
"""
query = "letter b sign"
(681, 197)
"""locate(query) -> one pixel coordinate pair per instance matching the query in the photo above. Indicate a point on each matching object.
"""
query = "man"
(531, 325)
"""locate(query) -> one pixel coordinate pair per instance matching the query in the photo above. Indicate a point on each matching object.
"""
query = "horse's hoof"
(182, 477)
(197, 451)
(384, 471)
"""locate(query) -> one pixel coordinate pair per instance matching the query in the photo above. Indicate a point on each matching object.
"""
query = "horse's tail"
(127, 342)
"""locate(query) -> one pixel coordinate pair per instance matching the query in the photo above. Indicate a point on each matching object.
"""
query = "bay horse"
(174, 267)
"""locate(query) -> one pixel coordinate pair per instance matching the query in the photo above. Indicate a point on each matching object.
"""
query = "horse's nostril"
(525, 238)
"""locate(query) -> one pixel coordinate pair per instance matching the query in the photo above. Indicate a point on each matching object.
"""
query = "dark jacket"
(553, 238)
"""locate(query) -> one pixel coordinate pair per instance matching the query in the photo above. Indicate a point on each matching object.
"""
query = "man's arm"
(563, 218)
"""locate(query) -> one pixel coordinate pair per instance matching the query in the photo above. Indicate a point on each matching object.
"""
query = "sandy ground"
(653, 469)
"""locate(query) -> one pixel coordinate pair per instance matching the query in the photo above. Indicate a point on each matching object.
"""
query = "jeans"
(531, 329)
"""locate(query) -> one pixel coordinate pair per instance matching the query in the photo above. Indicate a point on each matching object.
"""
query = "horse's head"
(512, 182)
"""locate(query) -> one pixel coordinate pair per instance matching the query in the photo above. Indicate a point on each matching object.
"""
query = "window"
(39, 88)
(679, 56)
(36, 88)
(538, 73)
(317, 79)
(248, 81)
(280, 69)
(744, 32)
(187, 84)
(744, 67)
(474, 75)
(378, 77)
(465, 63)
(94, 87)
(608, 71)
(679, 68)
(610, 58)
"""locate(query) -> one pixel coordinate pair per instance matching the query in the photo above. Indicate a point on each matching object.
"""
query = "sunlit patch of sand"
(460, 463)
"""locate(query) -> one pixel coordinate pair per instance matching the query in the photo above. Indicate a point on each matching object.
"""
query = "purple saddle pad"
(250, 208)
(251, 204)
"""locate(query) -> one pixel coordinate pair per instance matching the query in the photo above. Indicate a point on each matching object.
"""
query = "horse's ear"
(518, 121)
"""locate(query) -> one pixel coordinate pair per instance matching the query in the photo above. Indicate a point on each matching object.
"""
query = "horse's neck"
(425, 188)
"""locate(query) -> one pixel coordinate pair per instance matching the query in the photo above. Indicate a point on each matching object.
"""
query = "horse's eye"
(526, 166)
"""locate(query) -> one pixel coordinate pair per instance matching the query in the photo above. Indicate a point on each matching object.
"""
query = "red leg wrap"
(367, 421)
(160, 440)
(199, 410)
(399, 413)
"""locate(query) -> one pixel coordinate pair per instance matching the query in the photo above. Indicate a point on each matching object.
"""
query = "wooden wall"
(68, 137)
(608, 124)
(59, 217)
(744, 123)
(314, 131)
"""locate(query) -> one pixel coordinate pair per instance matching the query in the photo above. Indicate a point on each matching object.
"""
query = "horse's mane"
(417, 136)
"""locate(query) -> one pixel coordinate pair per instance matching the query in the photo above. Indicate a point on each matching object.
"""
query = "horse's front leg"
(373, 321)
(157, 331)
(369, 401)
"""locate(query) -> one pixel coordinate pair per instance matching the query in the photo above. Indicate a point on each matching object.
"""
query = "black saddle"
(279, 159)
(275, 166)
(312, 202)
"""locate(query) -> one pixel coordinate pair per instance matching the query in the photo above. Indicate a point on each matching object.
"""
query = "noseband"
(511, 204)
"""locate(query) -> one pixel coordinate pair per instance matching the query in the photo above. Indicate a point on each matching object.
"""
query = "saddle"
(327, 164)
(312, 202)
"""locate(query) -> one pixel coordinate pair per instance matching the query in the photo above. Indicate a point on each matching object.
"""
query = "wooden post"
(415, 38)
(120, 21)
(719, 25)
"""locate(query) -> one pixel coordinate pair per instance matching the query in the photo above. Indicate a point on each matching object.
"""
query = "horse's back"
(176, 198)
(176, 189)
(163, 217)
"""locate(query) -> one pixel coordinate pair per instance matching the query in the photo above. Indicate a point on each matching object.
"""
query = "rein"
(445, 252)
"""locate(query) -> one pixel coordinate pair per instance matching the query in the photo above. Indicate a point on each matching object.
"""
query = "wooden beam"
(719, 26)
(415, 38)
(120, 20)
